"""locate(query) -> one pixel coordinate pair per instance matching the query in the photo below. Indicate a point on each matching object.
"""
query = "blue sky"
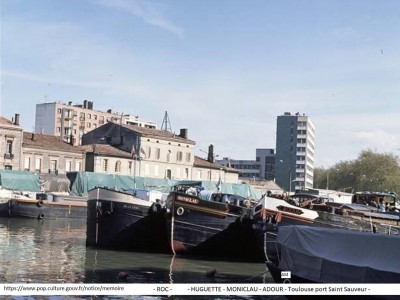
(224, 69)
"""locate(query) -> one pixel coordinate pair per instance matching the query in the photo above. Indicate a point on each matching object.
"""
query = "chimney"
(109, 111)
(211, 153)
(90, 105)
(184, 133)
(33, 136)
(16, 120)
(84, 103)
(69, 103)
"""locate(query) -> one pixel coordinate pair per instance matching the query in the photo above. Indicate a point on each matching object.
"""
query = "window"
(7, 167)
(118, 166)
(187, 173)
(9, 147)
(89, 116)
(130, 167)
(169, 156)
(68, 166)
(158, 151)
(82, 116)
(78, 166)
(38, 165)
(59, 110)
(168, 174)
(27, 163)
(188, 157)
(95, 117)
(53, 166)
(105, 164)
(148, 154)
(179, 156)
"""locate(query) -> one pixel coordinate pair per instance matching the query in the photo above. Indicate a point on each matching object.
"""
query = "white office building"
(295, 143)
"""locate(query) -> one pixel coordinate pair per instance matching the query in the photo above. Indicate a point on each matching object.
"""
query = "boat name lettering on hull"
(290, 210)
(187, 199)
(133, 207)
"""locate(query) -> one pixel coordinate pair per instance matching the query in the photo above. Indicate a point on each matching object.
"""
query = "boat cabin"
(389, 199)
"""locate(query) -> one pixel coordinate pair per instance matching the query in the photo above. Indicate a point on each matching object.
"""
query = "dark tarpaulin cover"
(54, 183)
(339, 256)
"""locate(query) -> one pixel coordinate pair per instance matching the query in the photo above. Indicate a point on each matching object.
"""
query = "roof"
(47, 142)
(105, 149)
(262, 184)
(5, 121)
(157, 133)
(203, 163)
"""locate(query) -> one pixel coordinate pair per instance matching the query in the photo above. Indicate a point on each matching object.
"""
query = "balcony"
(8, 155)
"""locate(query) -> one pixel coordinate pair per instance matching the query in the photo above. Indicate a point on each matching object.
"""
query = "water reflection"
(54, 251)
(105, 266)
(42, 251)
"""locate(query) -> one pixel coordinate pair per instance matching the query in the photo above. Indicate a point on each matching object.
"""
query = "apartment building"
(11, 143)
(295, 143)
(70, 122)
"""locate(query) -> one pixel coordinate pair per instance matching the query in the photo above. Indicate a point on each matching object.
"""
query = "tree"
(371, 171)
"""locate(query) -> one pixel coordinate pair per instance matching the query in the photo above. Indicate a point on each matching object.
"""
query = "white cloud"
(149, 12)
(346, 33)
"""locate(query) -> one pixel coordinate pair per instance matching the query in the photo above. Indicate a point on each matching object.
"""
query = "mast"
(166, 124)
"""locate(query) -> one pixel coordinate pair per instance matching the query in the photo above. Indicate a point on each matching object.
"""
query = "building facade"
(10, 143)
(206, 170)
(147, 152)
(295, 143)
(70, 122)
(266, 159)
(262, 168)
(43, 154)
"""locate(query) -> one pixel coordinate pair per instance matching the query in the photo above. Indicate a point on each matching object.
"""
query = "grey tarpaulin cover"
(339, 256)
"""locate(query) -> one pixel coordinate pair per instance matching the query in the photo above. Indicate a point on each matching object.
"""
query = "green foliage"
(371, 171)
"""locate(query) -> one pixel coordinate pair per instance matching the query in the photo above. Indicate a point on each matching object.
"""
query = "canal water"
(54, 251)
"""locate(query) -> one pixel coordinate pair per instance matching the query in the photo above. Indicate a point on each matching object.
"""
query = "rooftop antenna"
(166, 124)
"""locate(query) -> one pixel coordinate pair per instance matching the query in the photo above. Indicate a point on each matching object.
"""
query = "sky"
(223, 69)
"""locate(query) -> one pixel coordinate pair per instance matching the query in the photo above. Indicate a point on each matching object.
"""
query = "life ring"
(39, 203)
(40, 216)
(180, 211)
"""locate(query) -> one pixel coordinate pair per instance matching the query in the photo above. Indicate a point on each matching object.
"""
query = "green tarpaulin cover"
(19, 181)
(82, 182)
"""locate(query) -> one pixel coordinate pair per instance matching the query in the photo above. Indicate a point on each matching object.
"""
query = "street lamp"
(327, 178)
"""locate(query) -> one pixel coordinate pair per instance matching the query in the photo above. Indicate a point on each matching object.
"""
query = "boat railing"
(391, 229)
(271, 247)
